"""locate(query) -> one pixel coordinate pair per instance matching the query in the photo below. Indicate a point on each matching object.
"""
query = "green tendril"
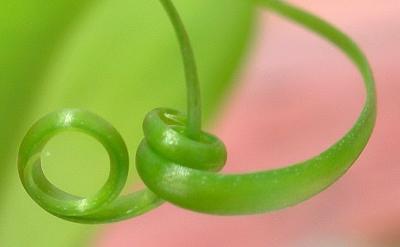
(178, 162)
(192, 80)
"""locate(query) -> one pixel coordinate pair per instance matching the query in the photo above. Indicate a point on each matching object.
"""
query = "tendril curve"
(179, 163)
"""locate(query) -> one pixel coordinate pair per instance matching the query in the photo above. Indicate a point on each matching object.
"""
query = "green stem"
(192, 81)
(181, 170)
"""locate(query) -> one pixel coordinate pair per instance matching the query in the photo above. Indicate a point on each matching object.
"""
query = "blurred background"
(275, 94)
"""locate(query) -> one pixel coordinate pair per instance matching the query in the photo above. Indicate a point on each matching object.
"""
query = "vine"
(179, 163)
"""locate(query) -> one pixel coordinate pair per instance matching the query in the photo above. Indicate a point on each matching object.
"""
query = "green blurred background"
(117, 58)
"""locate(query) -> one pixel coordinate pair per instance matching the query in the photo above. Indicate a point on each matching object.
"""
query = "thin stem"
(192, 81)
(180, 172)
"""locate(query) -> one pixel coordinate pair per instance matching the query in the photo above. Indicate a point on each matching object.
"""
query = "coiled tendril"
(179, 163)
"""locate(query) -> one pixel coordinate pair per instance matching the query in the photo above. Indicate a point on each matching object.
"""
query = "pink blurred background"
(295, 97)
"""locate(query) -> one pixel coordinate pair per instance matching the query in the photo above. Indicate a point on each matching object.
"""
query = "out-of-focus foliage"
(117, 58)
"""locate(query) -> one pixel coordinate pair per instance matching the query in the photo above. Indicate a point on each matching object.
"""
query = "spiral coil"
(179, 163)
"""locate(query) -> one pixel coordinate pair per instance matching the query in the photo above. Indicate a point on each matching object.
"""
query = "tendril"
(178, 162)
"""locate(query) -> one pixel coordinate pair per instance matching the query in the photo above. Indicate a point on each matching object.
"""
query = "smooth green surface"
(116, 58)
(106, 205)
(178, 162)
(93, 209)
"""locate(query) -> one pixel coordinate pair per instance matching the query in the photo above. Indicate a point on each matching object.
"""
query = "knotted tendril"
(178, 162)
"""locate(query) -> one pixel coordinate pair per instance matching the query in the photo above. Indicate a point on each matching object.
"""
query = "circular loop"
(182, 183)
(178, 164)
(166, 133)
(48, 195)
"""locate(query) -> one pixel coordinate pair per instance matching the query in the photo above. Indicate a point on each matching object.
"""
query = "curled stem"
(179, 163)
